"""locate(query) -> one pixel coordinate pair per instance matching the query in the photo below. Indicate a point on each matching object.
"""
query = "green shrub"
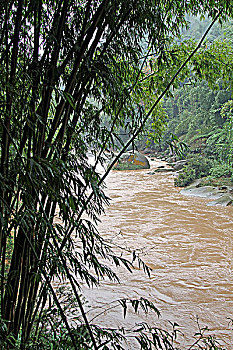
(185, 177)
(221, 170)
(201, 165)
(196, 168)
(216, 182)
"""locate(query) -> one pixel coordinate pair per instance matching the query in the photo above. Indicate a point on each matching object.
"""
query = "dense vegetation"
(200, 110)
(65, 66)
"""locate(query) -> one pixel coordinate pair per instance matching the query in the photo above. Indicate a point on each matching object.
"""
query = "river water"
(187, 244)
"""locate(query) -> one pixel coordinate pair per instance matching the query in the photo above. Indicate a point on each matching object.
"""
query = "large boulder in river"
(204, 192)
(224, 200)
(220, 196)
(131, 161)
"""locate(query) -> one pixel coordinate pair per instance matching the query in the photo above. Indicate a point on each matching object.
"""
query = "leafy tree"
(63, 64)
(194, 108)
(221, 139)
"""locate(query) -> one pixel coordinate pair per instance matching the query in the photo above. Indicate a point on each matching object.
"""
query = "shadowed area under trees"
(64, 65)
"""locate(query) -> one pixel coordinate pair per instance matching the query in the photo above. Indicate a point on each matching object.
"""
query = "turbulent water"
(188, 246)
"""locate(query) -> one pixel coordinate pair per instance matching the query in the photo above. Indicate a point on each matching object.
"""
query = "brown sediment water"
(187, 244)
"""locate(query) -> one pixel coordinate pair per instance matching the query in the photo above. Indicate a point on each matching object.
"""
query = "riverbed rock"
(204, 192)
(195, 183)
(229, 189)
(171, 160)
(138, 158)
(163, 170)
(224, 200)
(179, 164)
(219, 195)
(131, 161)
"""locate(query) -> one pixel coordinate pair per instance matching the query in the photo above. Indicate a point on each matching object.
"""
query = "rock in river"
(179, 164)
(218, 196)
(132, 160)
(204, 191)
(224, 200)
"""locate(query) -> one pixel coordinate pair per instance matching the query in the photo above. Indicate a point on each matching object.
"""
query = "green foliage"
(221, 170)
(185, 177)
(209, 169)
(6, 339)
(216, 181)
(199, 110)
(196, 168)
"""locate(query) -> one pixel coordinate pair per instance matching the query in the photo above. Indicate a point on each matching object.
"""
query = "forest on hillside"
(200, 112)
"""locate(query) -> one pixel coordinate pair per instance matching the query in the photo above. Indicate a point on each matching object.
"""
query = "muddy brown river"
(188, 246)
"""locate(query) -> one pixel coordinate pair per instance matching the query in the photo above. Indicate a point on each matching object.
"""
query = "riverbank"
(219, 195)
(218, 190)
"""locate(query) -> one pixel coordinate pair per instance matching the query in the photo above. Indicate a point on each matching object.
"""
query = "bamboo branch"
(137, 132)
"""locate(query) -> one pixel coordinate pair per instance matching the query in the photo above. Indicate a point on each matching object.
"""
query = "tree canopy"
(199, 110)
